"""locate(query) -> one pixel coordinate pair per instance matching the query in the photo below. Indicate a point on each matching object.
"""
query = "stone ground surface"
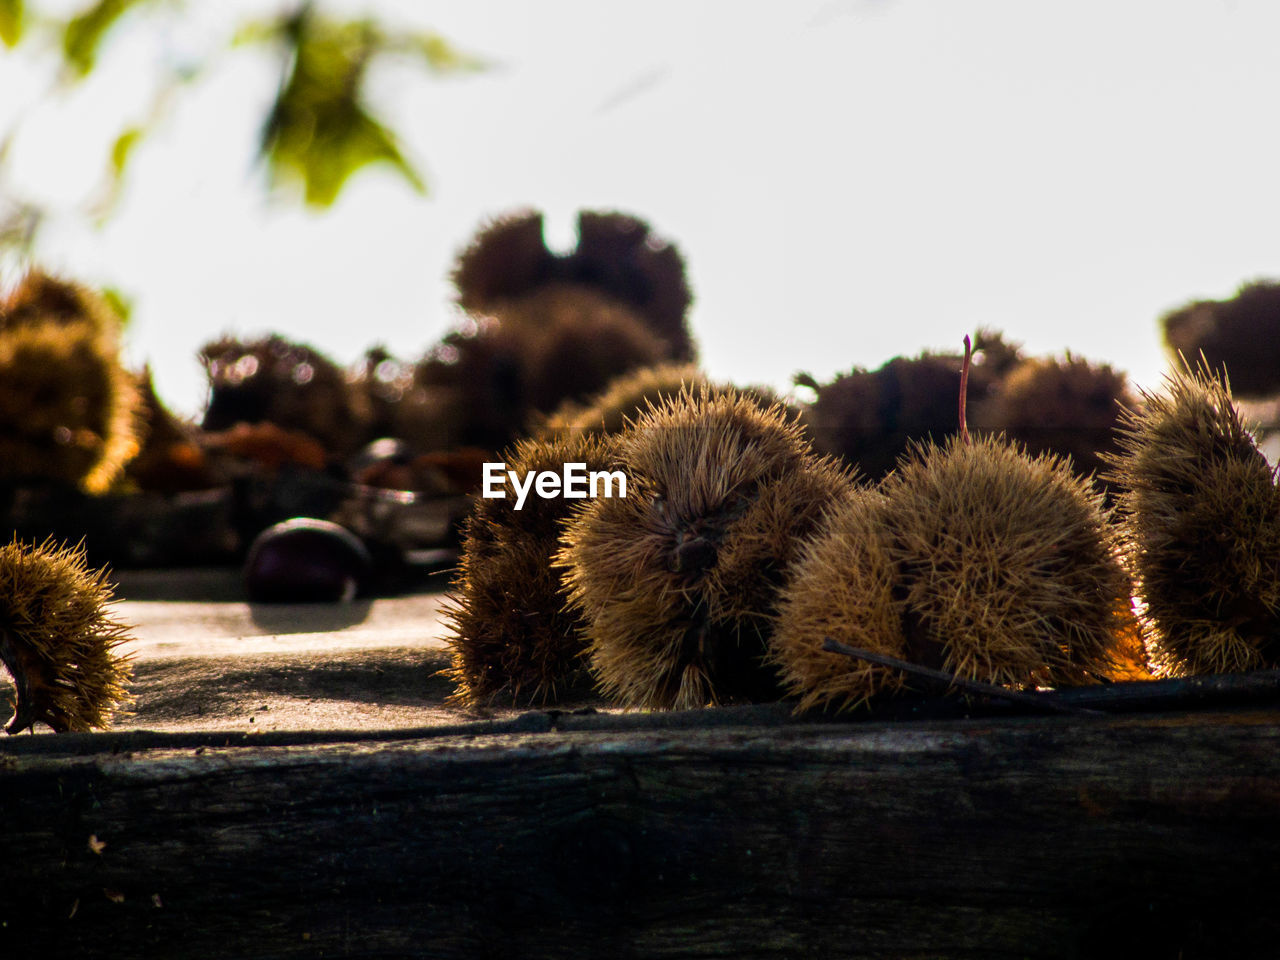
(212, 662)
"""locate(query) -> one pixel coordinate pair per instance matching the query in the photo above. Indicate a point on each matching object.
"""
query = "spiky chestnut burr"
(624, 399)
(1065, 406)
(623, 255)
(57, 640)
(291, 385)
(40, 299)
(974, 557)
(507, 258)
(678, 582)
(1010, 569)
(67, 405)
(582, 344)
(470, 387)
(398, 406)
(871, 417)
(1202, 521)
(495, 377)
(1240, 335)
(844, 586)
(512, 636)
(618, 258)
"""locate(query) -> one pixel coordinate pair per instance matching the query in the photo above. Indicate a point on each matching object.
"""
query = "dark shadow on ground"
(226, 584)
(197, 584)
(282, 618)
(190, 688)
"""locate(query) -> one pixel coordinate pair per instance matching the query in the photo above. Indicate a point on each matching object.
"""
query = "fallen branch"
(1040, 701)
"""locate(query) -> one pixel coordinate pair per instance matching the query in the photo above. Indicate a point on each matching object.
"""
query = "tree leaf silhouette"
(319, 131)
(11, 14)
(84, 33)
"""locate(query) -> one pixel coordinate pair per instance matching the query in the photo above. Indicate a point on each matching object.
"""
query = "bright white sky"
(848, 179)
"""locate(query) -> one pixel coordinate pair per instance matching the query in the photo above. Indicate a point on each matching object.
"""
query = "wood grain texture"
(726, 833)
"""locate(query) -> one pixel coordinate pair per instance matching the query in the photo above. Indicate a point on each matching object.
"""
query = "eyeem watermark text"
(575, 482)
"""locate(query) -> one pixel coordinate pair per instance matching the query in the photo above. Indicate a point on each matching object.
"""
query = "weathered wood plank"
(714, 834)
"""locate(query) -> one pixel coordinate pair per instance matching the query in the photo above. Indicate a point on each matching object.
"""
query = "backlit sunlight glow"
(846, 180)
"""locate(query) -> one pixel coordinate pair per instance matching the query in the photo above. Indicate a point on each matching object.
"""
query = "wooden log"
(718, 833)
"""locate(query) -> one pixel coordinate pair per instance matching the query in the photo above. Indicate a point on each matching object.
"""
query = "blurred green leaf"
(113, 184)
(119, 302)
(83, 34)
(437, 52)
(125, 145)
(256, 31)
(122, 150)
(319, 132)
(323, 143)
(10, 22)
